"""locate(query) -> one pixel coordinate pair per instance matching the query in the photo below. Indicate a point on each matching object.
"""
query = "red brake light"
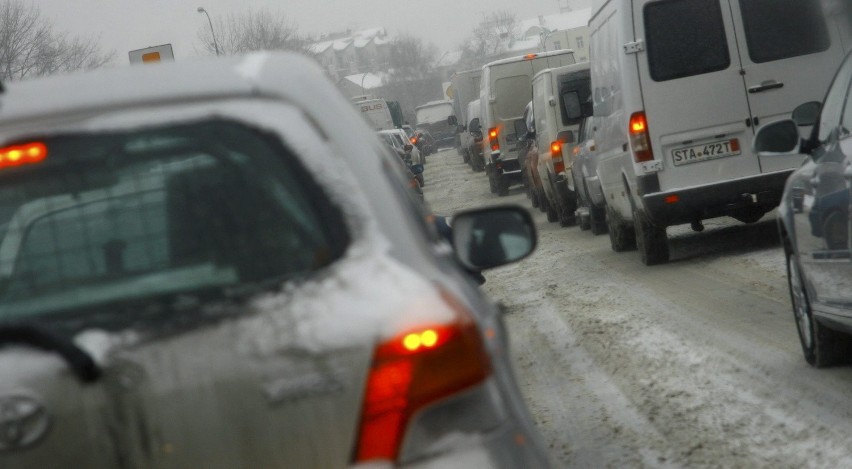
(639, 140)
(492, 138)
(556, 156)
(414, 140)
(412, 371)
(27, 153)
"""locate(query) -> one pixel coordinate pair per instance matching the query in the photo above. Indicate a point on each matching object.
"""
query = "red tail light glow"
(27, 153)
(556, 156)
(492, 139)
(640, 142)
(414, 140)
(530, 56)
(412, 371)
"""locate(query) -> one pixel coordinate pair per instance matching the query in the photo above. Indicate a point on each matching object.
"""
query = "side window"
(779, 30)
(685, 38)
(834, 102)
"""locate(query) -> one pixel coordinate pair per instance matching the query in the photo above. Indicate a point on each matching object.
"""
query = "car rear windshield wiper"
(81, 363)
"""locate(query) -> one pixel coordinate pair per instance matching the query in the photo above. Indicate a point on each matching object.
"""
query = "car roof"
(283, 75)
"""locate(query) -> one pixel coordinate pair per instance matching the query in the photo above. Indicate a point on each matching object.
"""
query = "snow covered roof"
(560, 21)
(369, 80)
(358, 38)
(320, 47)
(342, 44)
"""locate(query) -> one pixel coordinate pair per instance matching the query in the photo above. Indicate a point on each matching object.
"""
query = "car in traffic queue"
(215, 263)
(814, 216)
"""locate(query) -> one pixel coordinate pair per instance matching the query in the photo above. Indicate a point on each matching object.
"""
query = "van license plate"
(707, 151)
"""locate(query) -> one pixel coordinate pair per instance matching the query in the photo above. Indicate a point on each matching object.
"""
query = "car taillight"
(492, 139)
(27, 153)
(556, 156)
(414, 140)
(413, 370)
(640, 142)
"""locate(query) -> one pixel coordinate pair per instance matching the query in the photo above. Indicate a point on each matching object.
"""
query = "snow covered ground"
(695, 363)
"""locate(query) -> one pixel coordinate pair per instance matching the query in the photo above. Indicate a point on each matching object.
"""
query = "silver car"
(216, 264)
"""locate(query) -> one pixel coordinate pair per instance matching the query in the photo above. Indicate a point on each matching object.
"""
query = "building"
(349, 53)
(567, 30)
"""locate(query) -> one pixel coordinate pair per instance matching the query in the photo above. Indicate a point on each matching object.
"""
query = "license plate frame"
(706, 151)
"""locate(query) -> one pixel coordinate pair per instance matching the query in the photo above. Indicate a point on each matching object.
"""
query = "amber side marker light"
(17, 155)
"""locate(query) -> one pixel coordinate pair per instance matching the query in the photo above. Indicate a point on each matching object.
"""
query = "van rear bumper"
(737, 197)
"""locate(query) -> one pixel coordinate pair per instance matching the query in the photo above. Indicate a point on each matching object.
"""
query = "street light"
(213, 33)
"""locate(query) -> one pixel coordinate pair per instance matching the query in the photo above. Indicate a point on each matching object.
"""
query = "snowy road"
(693, 363)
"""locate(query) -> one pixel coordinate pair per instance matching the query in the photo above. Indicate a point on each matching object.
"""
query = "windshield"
(113, 217)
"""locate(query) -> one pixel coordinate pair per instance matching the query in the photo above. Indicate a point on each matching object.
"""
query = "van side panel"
(615, 94)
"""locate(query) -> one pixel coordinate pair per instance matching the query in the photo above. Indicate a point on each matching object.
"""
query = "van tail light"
(413, 370)
(413, 140)
(556, 157)
(27, 153)
(492, 139)
(640, 140)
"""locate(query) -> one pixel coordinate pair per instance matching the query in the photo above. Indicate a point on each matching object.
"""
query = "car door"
(820, 200)
(789, 53)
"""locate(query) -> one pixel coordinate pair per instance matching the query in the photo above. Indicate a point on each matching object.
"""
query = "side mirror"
(494, 236)
(807, 114)
(780, 137)
(475, 126)
(408, 147)
(416, 169)
(451, 120)
(566, 136)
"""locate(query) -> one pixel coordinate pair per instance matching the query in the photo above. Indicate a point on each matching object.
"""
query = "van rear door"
(789, 55)
(693, 95)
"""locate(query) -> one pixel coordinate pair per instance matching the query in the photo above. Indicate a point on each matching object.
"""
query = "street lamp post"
(213, 33)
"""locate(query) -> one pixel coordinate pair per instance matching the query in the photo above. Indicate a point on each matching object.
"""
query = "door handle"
(766, 86)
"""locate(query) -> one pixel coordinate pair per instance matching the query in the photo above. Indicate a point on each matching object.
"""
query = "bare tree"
(252, 31)
(412, 79)
(495, 34)
(29, 46)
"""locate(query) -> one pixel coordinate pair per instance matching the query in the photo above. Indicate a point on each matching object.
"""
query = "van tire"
(597, 220)
(502, 185)
(584, 222)
(621, 236)
(651, 240)
(550, 210)
(567, 208)
(492, 182)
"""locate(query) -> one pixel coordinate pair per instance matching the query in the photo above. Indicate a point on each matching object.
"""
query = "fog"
(124, 25)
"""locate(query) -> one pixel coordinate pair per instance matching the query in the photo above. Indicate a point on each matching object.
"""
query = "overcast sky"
(124, 25)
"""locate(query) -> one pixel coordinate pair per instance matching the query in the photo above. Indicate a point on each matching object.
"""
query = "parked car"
(561, 99)
(675, 134)
(230, 272)
(813, 219)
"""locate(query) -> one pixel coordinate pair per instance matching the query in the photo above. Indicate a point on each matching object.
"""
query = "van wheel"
(597, 220)
(533, 195)
(566, 213)
(585, 222)
(549, 209)
(492, 182)
(621, 236)
(651, 240)
(502, 185)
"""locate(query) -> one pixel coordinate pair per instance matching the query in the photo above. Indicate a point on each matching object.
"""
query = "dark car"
(814, 219)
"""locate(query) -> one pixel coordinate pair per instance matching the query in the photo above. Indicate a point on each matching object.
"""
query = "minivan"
(679, 87)
(505, 90)
(561, 99)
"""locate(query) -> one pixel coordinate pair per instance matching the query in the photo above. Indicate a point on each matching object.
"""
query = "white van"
(505, 90)
(377, 113)
(679, 87)
(561, 99)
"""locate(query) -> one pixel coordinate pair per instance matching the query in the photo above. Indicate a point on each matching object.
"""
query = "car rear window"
(113, 217)
(685, 38)
(779, 30)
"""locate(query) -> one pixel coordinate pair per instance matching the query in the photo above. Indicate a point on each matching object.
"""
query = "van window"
(514, 93)
(685, 38)
(779, 30)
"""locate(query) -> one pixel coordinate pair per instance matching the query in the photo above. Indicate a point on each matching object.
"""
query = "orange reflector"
(555, 148)
(151, 57)
(530, 56)
(22, 154)
(672, 199)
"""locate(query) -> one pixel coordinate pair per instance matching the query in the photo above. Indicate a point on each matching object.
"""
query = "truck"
(434, 118)
(377, 112)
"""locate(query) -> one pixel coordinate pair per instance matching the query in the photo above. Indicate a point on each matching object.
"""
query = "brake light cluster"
(556, 157)
(640, 140)
(413, 370)
(492, 139)
(18, 155)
